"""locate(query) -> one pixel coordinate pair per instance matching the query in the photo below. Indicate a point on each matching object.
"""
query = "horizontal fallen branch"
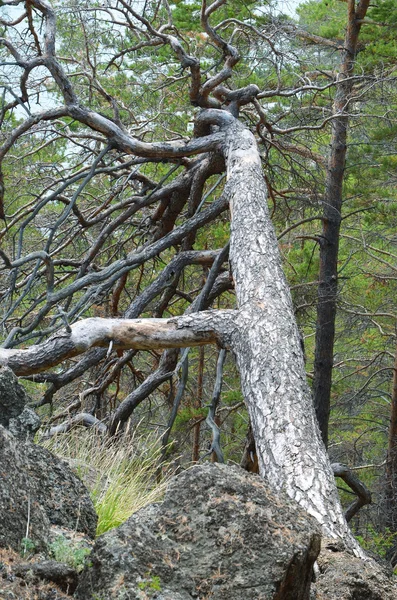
(194, 329)
(83, 419)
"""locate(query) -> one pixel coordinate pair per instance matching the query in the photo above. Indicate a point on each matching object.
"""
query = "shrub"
(69, 552)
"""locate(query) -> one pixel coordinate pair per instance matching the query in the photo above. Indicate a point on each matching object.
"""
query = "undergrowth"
(71, 553)
(122, 475)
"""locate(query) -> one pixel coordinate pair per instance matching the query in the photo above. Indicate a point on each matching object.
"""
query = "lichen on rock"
(220, 533)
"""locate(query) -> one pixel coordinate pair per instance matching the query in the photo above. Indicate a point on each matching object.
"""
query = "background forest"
(75, 210)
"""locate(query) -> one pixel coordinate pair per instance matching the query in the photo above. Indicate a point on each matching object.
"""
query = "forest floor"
(15, 586)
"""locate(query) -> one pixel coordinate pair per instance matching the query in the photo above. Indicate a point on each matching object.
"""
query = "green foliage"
(186, 15)
(327, 18)
(187, 414)
(232, 396)
(28, 547)
(378, 542)
(218, 234)
(150, 583)
(70, 552)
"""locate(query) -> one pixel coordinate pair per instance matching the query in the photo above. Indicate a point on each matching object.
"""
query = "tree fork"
(262, 334)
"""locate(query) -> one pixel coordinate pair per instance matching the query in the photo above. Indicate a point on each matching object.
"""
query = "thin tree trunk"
(199, 398)
(329, 245)
(197, 404)
(391, 462)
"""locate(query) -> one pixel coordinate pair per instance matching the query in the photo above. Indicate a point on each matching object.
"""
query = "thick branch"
(363, 493)
(117, 334)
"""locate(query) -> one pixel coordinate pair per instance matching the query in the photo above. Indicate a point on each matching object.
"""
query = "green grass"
(121, 475)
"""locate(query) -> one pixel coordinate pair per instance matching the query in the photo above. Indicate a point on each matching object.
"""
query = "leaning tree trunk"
(329, 245)
(267, 347)
(262, 334)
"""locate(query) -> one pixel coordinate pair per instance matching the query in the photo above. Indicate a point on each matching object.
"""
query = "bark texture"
(262, 334)
(268, 349)
(332, 216)
(115, 334)
(391, 462)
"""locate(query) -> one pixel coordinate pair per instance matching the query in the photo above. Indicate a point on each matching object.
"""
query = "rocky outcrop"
(220, 533)
(15, 415)
(38, 490)
(345, 577)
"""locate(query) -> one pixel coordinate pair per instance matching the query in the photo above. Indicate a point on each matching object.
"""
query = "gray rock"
(220, 534)
(13, 397)
(49, 570)
(14, 414)
(25, 425)
(345, 577)
(20, 515)
(60, 491)
(38, 490)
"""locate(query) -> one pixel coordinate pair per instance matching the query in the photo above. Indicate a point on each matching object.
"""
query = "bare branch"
(145, 334)
(363, 493)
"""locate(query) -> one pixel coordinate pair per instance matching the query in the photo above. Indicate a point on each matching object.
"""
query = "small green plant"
(120, 474)
(69, 552)
(151, 582)
(28, 547)
(377, 542)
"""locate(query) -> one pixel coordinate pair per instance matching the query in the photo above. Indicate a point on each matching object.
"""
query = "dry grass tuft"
(121, 475)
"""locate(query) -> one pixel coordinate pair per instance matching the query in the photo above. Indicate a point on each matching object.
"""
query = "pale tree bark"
(114, 334)
(261, 333)
(268, 348)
